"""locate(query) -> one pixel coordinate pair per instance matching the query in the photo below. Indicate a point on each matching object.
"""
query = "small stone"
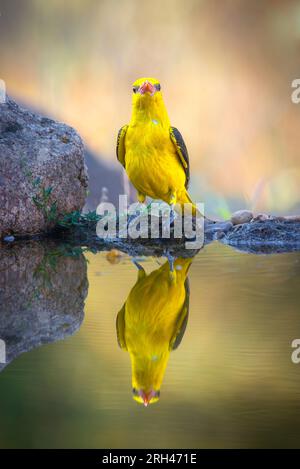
(114, 256)
(292, 218)
(219, 226)
(226, 226)
(9, 239)
(220, 234)
(65, 139)
(260, 217)
(241, 216)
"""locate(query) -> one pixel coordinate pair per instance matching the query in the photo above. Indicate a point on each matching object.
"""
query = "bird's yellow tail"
(185, 198)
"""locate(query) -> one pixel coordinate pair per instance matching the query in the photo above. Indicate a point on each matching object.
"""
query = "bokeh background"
(226, 70)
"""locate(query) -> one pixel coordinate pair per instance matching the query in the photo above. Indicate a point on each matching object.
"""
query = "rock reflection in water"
(42, 293)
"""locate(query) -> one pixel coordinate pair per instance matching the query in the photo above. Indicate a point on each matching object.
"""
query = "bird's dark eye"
(157, 86)
(135, 392)
(135, 88)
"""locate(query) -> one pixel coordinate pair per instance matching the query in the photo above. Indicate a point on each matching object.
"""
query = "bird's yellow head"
(147, 376)
(148, 369)
(145, 88)
(147, 103)
(147, 99)
(144, 397)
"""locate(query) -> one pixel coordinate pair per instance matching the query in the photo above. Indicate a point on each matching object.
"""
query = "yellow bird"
(151, 323)
(152, 152)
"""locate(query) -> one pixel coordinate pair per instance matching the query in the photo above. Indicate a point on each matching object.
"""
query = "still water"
(214, 338)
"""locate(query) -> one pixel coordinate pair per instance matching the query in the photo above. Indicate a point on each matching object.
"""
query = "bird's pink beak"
(147, 396)
(147, 87)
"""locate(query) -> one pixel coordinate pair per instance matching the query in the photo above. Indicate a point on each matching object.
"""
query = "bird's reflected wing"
(120, 149)
(182, 319)
(120, 325)
(182, 152)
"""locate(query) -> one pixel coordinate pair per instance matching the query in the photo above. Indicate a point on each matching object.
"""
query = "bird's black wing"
(120, 326)
(182, 152)
(182, 319)
(120, 149)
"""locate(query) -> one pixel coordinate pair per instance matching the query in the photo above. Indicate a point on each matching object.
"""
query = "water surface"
(229, 383)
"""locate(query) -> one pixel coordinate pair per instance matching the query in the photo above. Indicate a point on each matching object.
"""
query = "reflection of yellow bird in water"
(152, 152)
(152, 323)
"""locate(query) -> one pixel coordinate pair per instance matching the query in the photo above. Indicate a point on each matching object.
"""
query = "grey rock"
(220, 234)
(280, 234)
(265, 236)
(218, 226)
(292, 218)
(241, 216)
(42, 294)
(260, 217)
(9, 239)
(42, 171)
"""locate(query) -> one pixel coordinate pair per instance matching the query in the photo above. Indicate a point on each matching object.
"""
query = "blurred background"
(226, 70)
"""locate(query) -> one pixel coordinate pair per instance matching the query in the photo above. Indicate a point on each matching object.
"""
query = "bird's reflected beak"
(147, 87)
(147, 396)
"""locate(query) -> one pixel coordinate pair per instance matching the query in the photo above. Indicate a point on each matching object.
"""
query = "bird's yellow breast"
(152, 164)
(152, 310)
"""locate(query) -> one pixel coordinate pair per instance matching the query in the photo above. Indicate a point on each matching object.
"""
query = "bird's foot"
(149, 206)
(170, 258)
(172, 215)
(167, 219)
(136, 263)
